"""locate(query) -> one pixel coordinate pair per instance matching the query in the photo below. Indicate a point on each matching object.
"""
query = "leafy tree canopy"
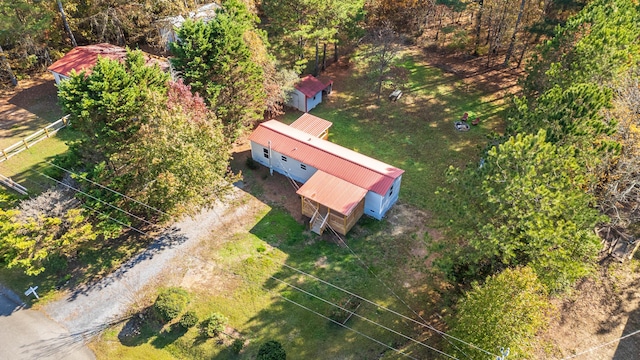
(506, 311)
(149, 139)
(215, 60)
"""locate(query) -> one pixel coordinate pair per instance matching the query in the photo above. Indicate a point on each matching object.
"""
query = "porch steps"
(318, 223)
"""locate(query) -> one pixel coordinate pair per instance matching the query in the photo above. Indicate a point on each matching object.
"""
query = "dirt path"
(86, 311)
(600, 310)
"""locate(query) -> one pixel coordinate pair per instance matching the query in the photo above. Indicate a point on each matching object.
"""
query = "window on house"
(265, 152)
(284, 158)
(314, 98)
(303, 166)
(391, 191)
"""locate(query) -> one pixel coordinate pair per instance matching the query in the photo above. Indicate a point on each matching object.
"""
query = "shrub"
(271, 350)
(237, 345)
(214, 325)
(189, 319)
(170, 303)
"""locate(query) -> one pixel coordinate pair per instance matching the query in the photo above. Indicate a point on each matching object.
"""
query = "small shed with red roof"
(340, 185)
(307, 93)
(84, 58)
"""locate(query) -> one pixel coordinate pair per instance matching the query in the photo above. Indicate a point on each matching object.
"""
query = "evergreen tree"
(105, 106)
(215, 60)
(525, 206)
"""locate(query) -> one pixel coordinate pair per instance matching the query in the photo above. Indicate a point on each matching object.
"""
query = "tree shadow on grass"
(168, 336)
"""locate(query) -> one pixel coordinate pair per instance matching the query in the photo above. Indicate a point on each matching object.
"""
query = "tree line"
(525, 215)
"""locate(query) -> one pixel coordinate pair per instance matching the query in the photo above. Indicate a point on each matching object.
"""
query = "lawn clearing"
(236, 271)
(417, 132)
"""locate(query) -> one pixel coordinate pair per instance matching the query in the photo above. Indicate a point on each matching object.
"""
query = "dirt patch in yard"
(28, 107)
(275, 190)
(599, 311)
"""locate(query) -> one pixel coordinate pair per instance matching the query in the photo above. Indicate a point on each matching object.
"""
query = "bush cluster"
(170, 303)
(214, 325)
(271, 350)
(189, 319)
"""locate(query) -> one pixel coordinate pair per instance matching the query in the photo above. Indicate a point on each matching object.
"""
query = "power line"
(424, 322)
(430, 327)
(364, 318)
(602, 345)
(107, 188)
(289, 300)
(95, 198)
(347, 327)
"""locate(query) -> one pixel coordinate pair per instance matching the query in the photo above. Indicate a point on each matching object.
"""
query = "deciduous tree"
(504, 312)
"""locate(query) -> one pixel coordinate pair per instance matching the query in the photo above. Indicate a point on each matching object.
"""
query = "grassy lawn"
(416, 133)
(25, 168)
(243, 289)
(240, 264)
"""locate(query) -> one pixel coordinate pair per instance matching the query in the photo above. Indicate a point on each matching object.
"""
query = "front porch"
(331, 202)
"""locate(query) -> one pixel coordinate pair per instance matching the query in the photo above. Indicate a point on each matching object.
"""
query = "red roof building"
(307, 93)
(84, 58)
(337, 181)
(313, 125)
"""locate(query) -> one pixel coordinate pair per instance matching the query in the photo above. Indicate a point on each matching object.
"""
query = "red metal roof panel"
(310, 86)
(86, 57)
(358, 169)
(311, 124)
(332, 192)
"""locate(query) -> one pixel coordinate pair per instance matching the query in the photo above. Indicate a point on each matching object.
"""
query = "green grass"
(25, 168)
(416, 133)
(245, 293)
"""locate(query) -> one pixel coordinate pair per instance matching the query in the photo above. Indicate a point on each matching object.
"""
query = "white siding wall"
(289, 167)
(58, 77)
(297, 100)
(375, 205)
(392, 196)
(314, 101)
(372, 205)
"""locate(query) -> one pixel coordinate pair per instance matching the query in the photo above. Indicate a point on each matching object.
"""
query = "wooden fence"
(34, 138)
(26, 143)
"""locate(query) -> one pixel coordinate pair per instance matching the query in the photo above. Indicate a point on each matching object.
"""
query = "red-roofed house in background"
(340, 185)
(307, 93)
(86, 57)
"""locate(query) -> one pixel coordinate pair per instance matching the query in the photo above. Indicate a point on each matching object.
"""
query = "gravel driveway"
(88, 310)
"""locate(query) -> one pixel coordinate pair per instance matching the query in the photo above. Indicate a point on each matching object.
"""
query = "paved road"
(29, 334)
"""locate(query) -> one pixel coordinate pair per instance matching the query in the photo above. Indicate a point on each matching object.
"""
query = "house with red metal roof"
(84, 58)
(307, 93)
(339, 184)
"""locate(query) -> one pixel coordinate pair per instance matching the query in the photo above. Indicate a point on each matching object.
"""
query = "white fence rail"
(26, 143)
(13, 185)
(34, 138)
